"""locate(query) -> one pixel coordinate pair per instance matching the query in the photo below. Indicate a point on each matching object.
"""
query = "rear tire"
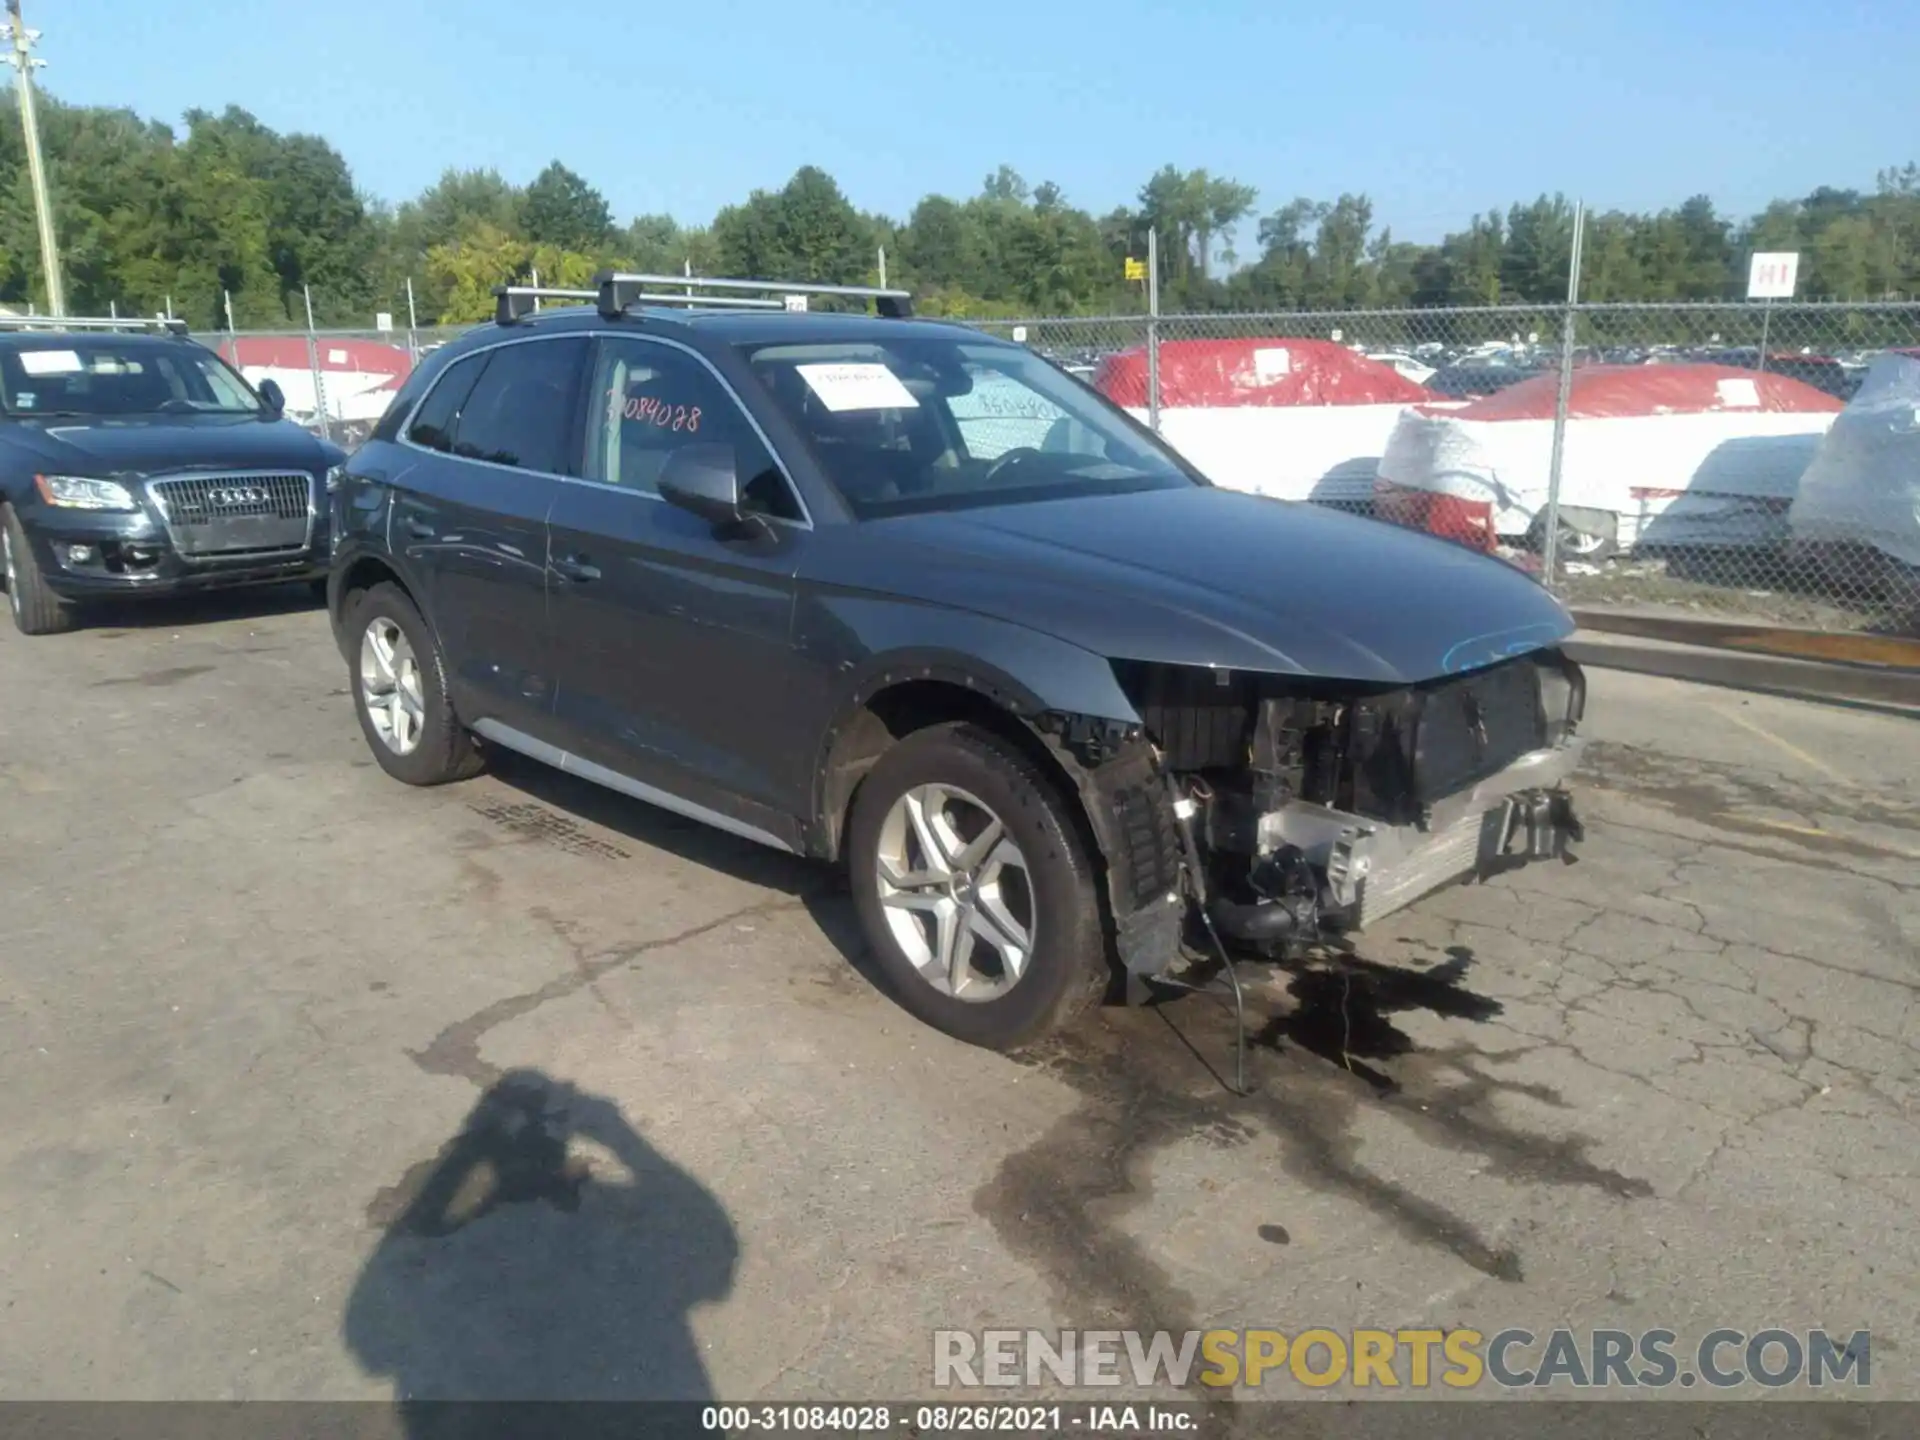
(1054, 900)
(410, 683)
(36, 610)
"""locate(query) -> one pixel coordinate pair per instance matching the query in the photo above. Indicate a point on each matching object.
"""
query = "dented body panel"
(1150, 641)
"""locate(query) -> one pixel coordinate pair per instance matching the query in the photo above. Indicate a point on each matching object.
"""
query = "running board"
(566, 760)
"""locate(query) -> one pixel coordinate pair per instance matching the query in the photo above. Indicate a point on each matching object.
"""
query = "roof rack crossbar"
(618, 290)
(513, 302)
(92, 322)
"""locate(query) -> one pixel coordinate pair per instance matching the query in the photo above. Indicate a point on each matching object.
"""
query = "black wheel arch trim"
(351, 556)
(1106, 758)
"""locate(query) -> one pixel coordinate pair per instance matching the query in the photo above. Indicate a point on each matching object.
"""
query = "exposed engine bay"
(1302, 807)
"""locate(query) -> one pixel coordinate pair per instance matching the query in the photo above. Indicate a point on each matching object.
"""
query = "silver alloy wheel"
(6, 562)
(956, 891)
(390, 685)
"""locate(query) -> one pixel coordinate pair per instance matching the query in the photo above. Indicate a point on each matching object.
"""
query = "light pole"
(21, 58)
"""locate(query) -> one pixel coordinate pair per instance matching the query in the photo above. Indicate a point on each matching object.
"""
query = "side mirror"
(273, 397)
(702, 479)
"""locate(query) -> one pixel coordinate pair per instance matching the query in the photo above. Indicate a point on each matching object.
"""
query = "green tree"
(805, 231)
(465, 271)
(1223, 205)
(560, 208)
(1609, 259)
(1538, 252)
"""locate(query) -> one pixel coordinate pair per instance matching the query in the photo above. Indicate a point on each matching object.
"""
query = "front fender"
(867, 644)
(883, 641)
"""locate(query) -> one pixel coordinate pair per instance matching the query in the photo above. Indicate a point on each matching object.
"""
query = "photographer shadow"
(516, 1267)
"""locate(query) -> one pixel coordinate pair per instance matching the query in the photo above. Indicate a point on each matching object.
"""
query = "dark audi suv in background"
(897, 594)
(141, 464)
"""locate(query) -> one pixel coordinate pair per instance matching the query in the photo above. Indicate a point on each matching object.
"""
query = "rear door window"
(652, 400)
(521, 411)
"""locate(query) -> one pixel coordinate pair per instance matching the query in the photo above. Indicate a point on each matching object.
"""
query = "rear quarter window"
(408, 395)
(432, 427)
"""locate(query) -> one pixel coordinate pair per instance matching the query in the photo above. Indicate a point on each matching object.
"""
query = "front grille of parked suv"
(237, 515)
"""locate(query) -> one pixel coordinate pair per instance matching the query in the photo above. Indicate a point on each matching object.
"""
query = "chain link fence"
(337, 383)
(1748, 461)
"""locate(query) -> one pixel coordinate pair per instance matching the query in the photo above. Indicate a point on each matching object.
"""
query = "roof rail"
(619, 290)
(84, 322)
(516, 302)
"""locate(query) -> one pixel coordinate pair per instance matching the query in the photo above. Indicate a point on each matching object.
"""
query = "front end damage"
(1258, 812)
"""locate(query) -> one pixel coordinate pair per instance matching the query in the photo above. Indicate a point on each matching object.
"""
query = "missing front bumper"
(1371, 869)
(1370, 875)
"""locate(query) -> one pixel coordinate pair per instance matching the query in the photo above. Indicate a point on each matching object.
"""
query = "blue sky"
(1436, 108)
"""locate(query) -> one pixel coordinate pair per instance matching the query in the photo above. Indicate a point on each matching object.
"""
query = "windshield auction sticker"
(857, 387)
(49, 362)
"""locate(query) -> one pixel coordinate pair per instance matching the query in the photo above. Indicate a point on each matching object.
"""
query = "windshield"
(919, 423)
(68, 375)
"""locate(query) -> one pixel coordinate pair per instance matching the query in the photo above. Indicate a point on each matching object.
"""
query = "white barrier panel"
(1326, 453)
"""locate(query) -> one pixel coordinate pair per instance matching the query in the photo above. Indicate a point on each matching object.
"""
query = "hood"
(1215, 577)
(175, 442)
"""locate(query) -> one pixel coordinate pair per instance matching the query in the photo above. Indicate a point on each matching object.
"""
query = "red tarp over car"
(1623, 392)
(1204, 374)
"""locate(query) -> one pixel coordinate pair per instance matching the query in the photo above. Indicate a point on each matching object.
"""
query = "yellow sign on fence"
(1136, 269)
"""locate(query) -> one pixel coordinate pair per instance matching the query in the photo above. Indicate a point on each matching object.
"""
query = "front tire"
(975, 889)
(36, 610)
(399, 680)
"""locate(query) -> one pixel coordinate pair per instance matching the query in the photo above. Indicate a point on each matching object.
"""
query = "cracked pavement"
(325, 1088)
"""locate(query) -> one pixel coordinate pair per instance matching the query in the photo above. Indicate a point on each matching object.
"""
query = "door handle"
(420, 530)
(576, 568)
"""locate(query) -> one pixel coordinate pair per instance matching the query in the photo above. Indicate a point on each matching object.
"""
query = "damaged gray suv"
(894, 594)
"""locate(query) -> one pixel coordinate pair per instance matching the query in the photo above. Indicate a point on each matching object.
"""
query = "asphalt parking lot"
(251, 993)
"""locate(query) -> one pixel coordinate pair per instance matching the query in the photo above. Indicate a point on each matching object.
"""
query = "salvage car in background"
(139, 464)
(1289, 418)
(1058, 707)
(1654, 455)
(1862, 491)
(356, 378)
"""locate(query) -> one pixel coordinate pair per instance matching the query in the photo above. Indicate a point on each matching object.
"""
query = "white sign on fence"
(1773, 274)
(795, 303)
(383, 322)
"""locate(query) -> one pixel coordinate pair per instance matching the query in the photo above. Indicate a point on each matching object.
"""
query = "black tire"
(36, 610)
(1069, 969)
(446, 751)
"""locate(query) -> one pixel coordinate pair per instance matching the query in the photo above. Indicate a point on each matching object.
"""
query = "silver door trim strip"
(572, 764)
